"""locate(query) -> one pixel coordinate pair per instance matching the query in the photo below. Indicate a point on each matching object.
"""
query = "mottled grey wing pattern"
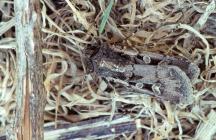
(168, 78)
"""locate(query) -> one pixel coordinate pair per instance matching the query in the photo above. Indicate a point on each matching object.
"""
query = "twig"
(97, 128)
(30, 95)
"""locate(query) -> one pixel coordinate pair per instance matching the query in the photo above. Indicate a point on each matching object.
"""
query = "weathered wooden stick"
(30, 95)
(98, 128)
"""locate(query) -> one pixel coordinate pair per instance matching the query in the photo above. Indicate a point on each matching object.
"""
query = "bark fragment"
(30, 95)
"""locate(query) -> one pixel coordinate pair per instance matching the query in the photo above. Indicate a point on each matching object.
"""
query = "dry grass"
(173, 27)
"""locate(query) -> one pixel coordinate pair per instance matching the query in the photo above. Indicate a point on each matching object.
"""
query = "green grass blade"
(105, 16)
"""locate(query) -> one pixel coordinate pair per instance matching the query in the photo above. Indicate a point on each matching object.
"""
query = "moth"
(164, 77)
